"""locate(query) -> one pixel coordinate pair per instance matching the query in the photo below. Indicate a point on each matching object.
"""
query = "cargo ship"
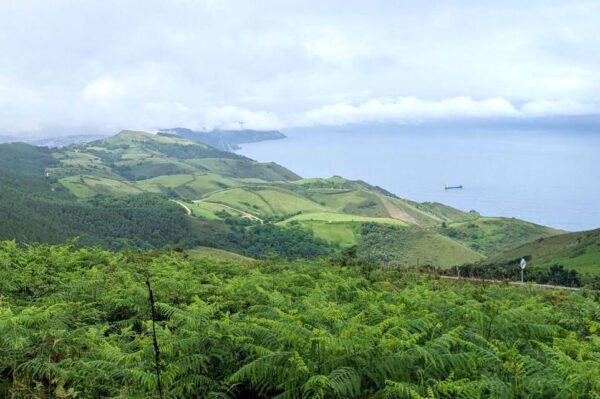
(447, 187)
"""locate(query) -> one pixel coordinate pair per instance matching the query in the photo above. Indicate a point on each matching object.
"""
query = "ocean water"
(549, 177)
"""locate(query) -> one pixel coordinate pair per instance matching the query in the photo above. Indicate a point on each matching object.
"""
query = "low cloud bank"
(403, 110)
(412, 109)
(105, 110)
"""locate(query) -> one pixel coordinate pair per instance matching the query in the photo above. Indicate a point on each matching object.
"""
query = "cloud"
(71, 65)
(103, 89)
(558, 108)
(232, 117)
(410, 109)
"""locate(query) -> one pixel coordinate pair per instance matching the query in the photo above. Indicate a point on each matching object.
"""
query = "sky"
(101, 66)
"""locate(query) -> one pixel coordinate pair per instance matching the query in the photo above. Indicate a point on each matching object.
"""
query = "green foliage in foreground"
(76, 324)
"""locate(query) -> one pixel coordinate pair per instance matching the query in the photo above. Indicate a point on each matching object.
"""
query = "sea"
(545, 176)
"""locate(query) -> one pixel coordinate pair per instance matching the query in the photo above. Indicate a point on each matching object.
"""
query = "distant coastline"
(226, 140)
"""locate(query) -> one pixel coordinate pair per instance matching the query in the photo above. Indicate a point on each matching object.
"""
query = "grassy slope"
(343, 233)
(264, 201)
(89, 186)
(579, 251)
(411, 246)
(434, 249)
(491, 236)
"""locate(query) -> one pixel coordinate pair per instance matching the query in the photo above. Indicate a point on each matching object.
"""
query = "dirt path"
(243, 213)
(187, 210)
(513, 283)
(397, 213)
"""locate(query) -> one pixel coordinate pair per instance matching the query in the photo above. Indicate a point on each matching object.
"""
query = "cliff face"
(226, 140)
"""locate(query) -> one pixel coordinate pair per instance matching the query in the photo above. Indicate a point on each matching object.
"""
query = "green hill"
(217, 186)
(491, 236)
(131, 162)
(577, 251)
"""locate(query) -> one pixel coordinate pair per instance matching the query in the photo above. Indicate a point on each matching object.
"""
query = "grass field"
(189, 186)
(491, 236)
(349, 201)
(203, 184)
(89, 186)
(166, 181)
(243, 168)
(264, 201)
(343, 233)
(335, 199)
(341, 217)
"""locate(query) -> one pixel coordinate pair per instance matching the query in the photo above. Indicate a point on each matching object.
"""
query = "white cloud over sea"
(69, 66)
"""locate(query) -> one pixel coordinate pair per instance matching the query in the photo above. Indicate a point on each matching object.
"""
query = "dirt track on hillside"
(397, 213)
(187, 210)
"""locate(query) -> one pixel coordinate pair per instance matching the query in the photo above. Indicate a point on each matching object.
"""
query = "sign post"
(523, 264)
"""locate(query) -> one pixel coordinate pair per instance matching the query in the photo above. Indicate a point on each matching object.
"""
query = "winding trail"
(187, 210)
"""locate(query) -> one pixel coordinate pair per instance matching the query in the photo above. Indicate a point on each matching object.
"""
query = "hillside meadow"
(77, 323)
